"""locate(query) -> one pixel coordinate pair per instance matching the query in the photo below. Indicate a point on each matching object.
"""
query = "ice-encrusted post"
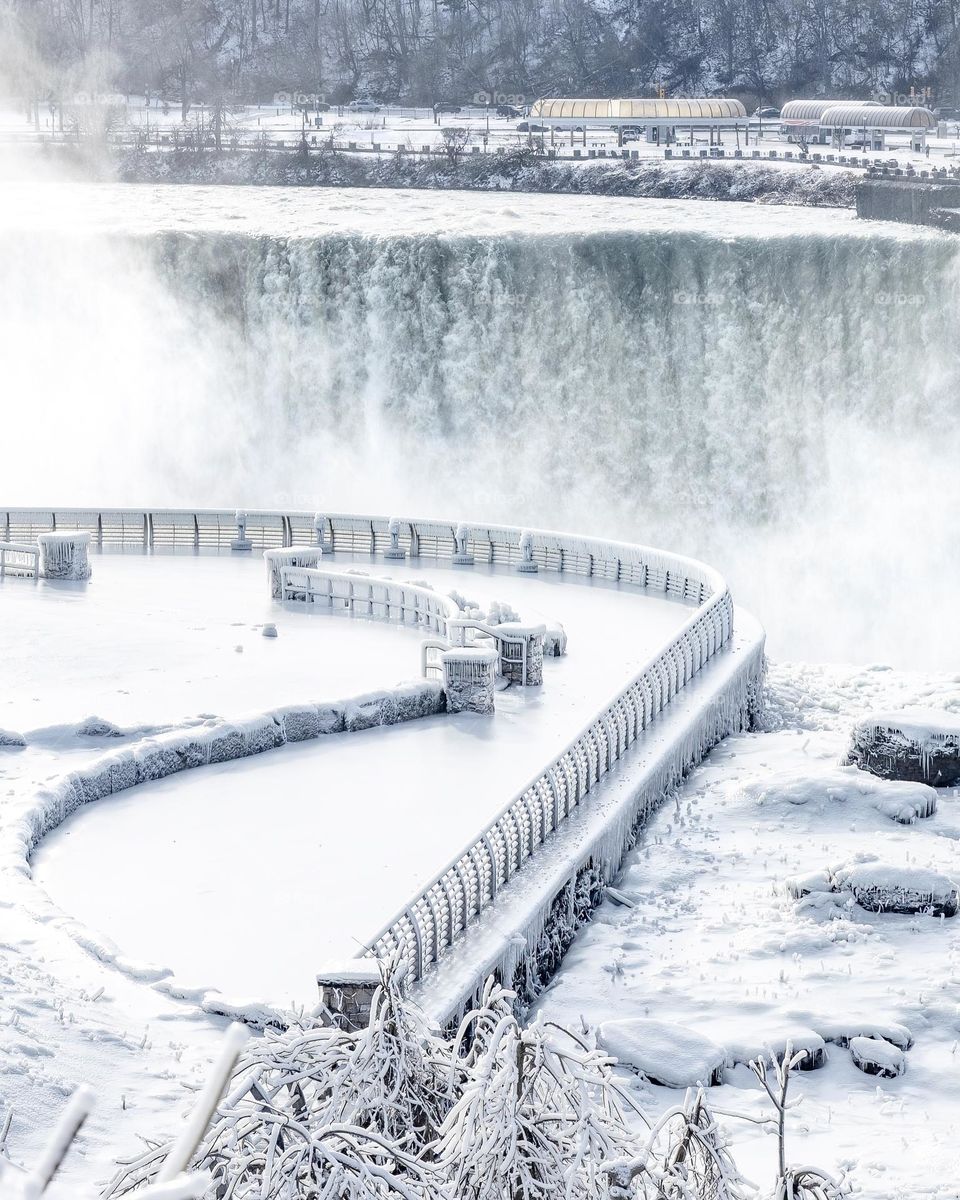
(241, 541)
(394, 550)
(521, 652)
(526, 563)
(320, 533)
(462, 557)
(468, 678)
(64, 555)
(346, 990)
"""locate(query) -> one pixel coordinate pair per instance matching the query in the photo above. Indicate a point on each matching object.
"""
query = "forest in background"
(422, 51)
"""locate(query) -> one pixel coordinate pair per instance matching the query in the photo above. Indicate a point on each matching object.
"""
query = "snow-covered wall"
(213, 741)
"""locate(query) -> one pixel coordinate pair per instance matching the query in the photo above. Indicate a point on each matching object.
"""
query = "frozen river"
(316, 845)
(303, 212)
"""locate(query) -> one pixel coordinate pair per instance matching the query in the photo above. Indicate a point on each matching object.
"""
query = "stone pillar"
(468, 677)
(462, 556)
(526, 564)
(347, 990)
(394, 550)
(511, 667)
(64, 555)
(241, 541)
(320, 533)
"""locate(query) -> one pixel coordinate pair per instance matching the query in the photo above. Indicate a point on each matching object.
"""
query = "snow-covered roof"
(813, 110)
(678, 108)
(870, 116)
(638, 109)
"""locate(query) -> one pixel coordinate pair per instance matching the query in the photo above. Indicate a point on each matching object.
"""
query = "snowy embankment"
(770, 903)
(515, 171)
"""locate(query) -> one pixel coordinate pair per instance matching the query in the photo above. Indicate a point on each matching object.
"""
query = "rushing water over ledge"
(774, 390)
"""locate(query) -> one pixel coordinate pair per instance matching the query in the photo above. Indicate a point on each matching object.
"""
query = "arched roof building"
(813, 110)
(625, 110)
(865, 116)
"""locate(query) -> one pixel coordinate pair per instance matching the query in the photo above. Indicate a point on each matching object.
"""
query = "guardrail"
(368, 596)
(371, 596)
(428, 925)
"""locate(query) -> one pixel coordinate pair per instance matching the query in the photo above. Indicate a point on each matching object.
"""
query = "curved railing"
(430, 923)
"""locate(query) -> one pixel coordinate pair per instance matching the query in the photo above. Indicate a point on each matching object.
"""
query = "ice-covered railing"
(430, 923)
(17, 559)
(366, 595)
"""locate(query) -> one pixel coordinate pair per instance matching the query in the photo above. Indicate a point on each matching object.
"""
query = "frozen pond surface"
(317, 845)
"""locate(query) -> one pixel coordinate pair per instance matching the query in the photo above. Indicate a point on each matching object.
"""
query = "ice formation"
(918, 745)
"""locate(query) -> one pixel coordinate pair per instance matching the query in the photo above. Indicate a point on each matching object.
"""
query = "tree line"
(422, 51)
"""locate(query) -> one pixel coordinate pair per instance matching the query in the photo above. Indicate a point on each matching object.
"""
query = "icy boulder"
(899, 801)
(880, 887)
(921, 746)
(775, 1043)
(874, 1056)
(844, 1032)
(671, 1055)
(98, 727)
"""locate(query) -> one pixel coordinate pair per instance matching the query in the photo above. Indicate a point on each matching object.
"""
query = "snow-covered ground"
(416, 128)
(716, 944)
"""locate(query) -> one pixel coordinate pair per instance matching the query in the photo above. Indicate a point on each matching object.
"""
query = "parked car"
(631, 133)
(447, 106)
(766, 113)
(508, 110)
(531, 127)
(363, 106)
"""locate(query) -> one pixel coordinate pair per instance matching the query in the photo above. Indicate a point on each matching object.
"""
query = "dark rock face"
(919, 747)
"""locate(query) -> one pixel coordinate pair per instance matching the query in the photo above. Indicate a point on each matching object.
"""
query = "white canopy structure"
(659, 118)
(877, 116)
(813, 110)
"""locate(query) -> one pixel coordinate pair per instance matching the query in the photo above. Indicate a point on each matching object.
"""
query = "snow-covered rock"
(775, 1042)
(672, 1055)
(921, 746)
(874, 1056)
(843, 1032)
(903, 802)
(9, 737)
(98, 727)
(881, 887)
(805, 885)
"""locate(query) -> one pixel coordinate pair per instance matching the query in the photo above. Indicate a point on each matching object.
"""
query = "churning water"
(773, 390)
